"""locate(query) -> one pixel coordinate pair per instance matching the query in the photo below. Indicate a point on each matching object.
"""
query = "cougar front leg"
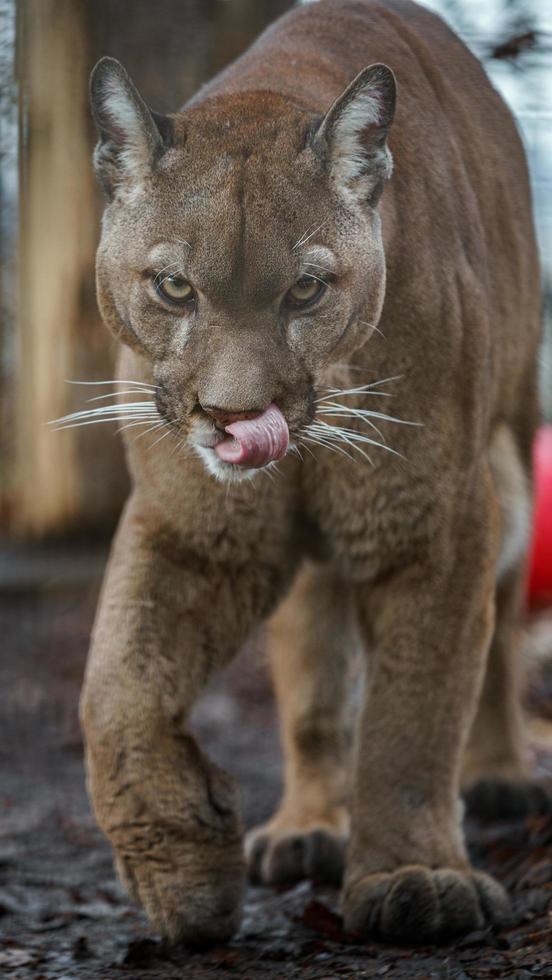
(408, 878)
(167, 618)
(311, 638)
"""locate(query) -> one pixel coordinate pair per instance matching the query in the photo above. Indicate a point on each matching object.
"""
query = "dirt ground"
(62, 913)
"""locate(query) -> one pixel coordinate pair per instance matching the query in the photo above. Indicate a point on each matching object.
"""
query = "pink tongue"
(257, 441)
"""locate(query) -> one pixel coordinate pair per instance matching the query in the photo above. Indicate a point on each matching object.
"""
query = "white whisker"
(323, 437)
(144, 407)
(77, 425)
(181, 445)
(297, 452)
(374, 327)
(170, 265)
(153, 428)
(132, 425)
(309, 450)
(112, 417)
(341, 411)
(352, 413)
(319, 440)
(321, 268)
(311, 275)
(175, 273)
(163, 434)
(360, 389)
(305, 237)
(352, 436)
(118, 394)
(113, 381)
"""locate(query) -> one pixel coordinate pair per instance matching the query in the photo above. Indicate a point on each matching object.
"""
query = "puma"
(329, 314)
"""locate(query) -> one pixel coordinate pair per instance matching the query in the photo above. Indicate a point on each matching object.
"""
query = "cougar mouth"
(255, 442)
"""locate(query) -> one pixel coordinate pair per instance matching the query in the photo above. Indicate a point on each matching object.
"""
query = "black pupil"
(306, 283)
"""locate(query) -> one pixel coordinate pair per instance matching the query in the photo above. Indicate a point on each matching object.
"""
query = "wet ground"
(63, 915)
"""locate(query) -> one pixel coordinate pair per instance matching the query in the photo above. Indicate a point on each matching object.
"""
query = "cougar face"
(239, 273)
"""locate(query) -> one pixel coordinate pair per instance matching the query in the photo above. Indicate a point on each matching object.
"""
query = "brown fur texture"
(417, 559)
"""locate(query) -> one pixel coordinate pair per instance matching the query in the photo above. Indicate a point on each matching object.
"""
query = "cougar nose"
(225, 416)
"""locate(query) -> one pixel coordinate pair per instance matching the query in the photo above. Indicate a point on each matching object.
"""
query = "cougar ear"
(132, 137)
(352, 137)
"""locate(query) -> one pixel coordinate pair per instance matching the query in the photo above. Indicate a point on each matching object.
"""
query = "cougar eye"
(305, 290)
(175, 289)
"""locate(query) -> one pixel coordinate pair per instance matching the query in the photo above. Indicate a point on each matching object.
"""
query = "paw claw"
(255, 853)
(286, 861)
(418, 905)
(326, 857)
(288, 857)
(493, 899)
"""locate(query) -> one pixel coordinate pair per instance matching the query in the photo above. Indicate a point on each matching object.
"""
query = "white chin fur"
(224, 472)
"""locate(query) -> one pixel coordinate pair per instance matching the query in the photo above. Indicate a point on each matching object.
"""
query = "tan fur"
(311, 638)
(403, 553)
(497, 745)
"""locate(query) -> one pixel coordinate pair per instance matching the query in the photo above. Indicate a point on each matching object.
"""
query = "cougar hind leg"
(497, 765)
(310, 639)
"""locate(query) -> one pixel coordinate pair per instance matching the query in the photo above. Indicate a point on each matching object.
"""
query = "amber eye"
(175, 289)
(305, 290)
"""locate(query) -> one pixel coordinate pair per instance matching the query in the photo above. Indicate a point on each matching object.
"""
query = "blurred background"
(61, 492)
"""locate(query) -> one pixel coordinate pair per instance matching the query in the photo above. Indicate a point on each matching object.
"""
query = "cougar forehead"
(234, 196)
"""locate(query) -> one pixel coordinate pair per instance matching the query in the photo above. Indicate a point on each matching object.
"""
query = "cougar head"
(241, 252)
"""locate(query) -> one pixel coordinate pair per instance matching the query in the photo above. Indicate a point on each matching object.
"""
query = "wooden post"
(58, 326)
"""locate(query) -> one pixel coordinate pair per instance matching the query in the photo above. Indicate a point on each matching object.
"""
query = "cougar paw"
(507, 799)
(200, 909)
(284, 857)
(416, 904)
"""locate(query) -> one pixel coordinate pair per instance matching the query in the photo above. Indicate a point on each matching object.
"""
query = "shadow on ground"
(62, 914)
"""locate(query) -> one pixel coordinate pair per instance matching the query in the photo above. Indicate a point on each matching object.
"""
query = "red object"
(540, 565)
